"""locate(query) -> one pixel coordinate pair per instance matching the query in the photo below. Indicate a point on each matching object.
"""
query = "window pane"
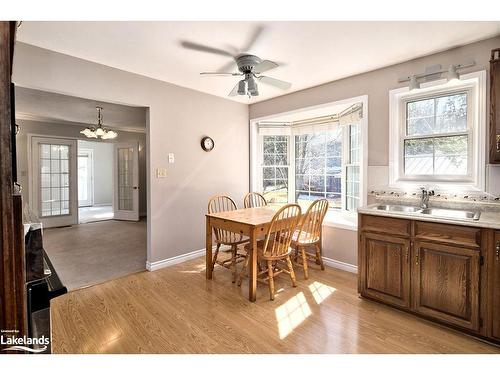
(450, 155)
(318, 160)
(275, 169)
(444, 114)
(441, 155)
(352, 187)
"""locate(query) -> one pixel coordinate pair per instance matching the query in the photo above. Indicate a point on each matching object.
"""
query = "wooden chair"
(309, 236)
(254, 200)
(222, 203)
(275, 248)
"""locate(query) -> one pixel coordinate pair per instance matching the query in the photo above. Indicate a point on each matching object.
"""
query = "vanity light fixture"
(99, 131)
(435, 72)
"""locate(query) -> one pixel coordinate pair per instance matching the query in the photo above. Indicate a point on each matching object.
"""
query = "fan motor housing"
(246, 63)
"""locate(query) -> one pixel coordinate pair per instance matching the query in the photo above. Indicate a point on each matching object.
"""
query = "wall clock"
(207, 144)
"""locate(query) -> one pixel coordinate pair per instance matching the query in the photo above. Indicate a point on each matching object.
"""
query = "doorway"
(95, 181)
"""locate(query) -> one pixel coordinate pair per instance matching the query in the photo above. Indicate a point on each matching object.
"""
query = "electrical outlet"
(161, 172)
(171, 158)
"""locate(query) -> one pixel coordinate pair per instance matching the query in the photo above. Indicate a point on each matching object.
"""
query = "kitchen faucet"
(424, 198)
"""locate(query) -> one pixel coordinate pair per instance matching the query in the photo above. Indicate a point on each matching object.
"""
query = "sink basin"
(452, 214)
(438, 212)
(398, 208)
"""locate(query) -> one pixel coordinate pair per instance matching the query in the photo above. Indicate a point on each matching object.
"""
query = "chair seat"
(260, 251)
(240, 240)
(303, 238)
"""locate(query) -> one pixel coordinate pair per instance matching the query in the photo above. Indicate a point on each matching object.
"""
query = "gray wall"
(72, 131)
(342, 244)
(103, 171)
(377, 84)
(177, 120)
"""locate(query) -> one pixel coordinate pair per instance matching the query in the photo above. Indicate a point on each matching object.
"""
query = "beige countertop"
(488, 219)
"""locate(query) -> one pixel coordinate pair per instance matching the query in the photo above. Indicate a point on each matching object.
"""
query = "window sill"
(341, 219)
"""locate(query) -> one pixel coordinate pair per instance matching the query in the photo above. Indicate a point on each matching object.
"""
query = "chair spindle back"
(254, 200)
(223, 203)
(281, 230)
(310, 229)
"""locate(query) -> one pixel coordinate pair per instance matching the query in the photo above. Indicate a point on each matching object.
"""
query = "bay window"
(305, 160)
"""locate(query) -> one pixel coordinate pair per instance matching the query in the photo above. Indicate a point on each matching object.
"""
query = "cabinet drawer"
(446, 233)
(386, 225)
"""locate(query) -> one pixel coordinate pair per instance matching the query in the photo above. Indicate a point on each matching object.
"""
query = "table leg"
(252, 274)
(208, 248)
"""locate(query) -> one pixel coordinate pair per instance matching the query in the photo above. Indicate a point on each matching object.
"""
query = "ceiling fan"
(250, 67)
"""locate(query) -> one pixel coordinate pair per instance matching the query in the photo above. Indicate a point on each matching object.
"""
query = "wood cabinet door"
(384, 267)
(494, 265)
(445, 283)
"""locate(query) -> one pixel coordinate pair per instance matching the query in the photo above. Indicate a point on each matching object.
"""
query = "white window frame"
(475, 86)
(256, 152)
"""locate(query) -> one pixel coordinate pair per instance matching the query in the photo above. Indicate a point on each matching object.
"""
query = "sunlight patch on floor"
(320, 291)
(291, 314)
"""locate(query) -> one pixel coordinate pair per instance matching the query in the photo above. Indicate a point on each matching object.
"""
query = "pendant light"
(99, 131)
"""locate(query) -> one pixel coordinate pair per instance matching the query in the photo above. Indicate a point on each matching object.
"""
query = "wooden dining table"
(250, 222)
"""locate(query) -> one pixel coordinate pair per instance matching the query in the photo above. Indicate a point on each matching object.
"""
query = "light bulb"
(99, 132)
(414, 84)
(453, 74)
(242, 87)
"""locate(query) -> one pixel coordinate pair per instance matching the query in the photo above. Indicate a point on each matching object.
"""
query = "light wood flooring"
(176, 310)
(88, 254)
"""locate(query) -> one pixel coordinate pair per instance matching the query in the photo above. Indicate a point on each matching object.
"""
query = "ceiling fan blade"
(253, 38)
(202, 48)
(264, 66)
(220, 74)
(231, 65)
(275, 82)
(234, 91)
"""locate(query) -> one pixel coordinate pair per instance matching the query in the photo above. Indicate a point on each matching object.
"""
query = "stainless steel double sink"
(437, 212)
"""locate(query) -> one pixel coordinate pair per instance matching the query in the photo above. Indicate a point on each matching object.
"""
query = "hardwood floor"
(176, 310)
(88, 254)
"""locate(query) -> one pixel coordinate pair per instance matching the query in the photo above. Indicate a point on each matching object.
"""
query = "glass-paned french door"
(53, 181)
(126, 181)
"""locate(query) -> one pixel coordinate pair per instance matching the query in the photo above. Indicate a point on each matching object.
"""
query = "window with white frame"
(437, 134)
(307, 162)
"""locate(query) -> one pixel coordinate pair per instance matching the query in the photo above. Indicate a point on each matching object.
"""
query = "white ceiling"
(312, 53)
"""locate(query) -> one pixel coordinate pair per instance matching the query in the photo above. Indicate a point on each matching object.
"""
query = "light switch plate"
(161, 172)
(171, 158)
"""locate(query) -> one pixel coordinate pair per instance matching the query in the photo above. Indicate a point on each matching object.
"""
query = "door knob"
(135, 187)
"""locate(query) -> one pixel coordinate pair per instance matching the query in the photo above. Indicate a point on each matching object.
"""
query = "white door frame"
(34, 181)
(89, 153)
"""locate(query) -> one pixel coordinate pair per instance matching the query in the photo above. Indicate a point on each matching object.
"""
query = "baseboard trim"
(153, 266)
(340, 265)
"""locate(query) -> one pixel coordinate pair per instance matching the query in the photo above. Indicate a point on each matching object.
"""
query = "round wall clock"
(207, 144)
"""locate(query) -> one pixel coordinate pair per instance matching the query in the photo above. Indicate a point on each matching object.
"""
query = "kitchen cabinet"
(445, 283)
(386, 275)
(443, 272)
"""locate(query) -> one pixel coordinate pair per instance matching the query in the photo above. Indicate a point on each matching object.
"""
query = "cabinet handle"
(498, 250)
(416, 259)
(406, 253)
